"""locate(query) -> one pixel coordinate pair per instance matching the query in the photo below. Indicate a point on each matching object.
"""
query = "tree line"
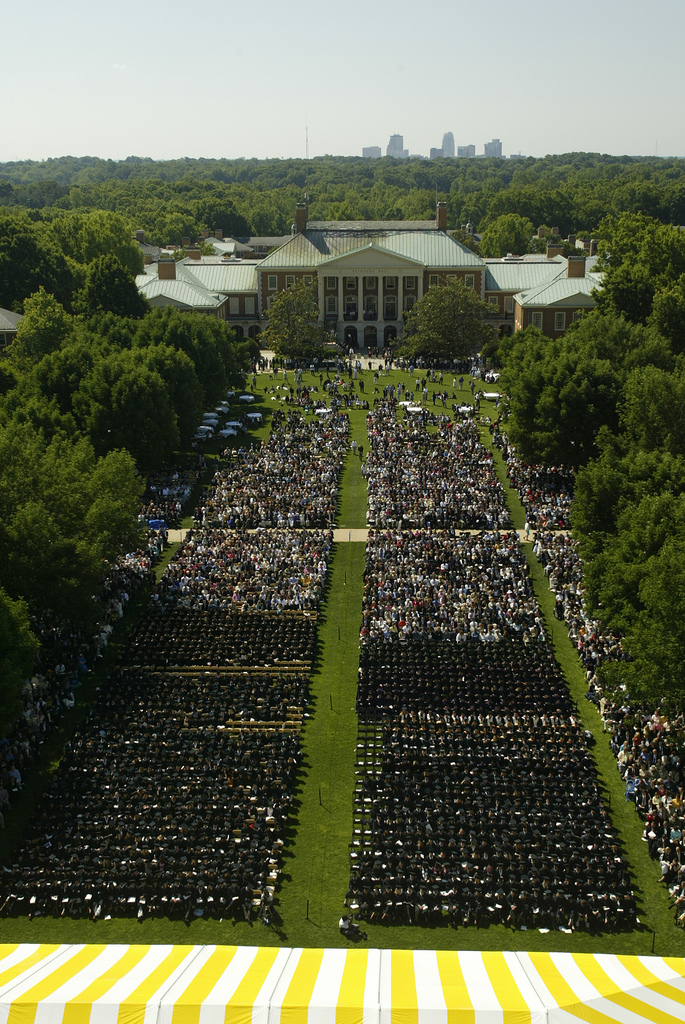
(96, 391)
(608, 398)
(180, 198)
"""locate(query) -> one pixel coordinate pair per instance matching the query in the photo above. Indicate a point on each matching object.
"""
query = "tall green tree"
(509, 233)
(109, 287)
(294, 329)
(448, 322)
(44, 329)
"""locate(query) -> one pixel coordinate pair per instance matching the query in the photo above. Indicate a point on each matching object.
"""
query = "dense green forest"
(177, 198)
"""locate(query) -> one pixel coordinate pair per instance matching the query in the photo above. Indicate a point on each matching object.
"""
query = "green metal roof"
(177, 293)
(517, 277)
(564, 291)
(312, 249)
(220, 277)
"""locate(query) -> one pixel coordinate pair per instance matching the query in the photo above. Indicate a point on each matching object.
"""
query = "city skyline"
(157, 82)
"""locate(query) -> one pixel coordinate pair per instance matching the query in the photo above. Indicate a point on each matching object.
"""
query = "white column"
(400, 296)
(419, 286)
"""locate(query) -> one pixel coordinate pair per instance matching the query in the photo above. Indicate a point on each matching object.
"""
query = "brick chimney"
(193, 252)
(555, 231)
(541, 232)
(205, 234)
(571, 239)
(140, 235)
(576, 266)
(219, 233)
(593, 247)
(300, 217)
(185, 242)
(554, 250)
(166, 268)
(441, 216)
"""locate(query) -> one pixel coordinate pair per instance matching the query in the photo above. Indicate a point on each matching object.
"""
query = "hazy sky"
(215, 78)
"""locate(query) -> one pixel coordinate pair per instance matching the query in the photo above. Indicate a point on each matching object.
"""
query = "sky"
(250, 78)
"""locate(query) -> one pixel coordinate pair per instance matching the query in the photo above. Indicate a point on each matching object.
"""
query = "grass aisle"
(316, 864)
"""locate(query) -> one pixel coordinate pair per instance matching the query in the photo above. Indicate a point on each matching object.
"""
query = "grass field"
(316, 866)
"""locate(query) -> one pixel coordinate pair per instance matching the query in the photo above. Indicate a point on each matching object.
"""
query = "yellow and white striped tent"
(112, 984)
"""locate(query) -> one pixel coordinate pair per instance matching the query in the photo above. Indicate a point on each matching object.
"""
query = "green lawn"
(316, 865)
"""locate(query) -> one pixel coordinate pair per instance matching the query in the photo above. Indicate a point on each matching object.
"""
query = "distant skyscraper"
(466, 151)
(371, 152)
(493, 148)
(436, 153)
(396, 147)
(448, 144)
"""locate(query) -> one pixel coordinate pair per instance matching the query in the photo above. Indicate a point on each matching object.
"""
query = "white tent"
(138, 984)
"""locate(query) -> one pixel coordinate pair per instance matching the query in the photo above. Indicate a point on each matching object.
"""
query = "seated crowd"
(65, 653)
(291, 481)
(440, 583)
(546, 492)
(482, 804)
(269, 570)
(165, 801)
(649, 746)
(419, 478)
(166, 494)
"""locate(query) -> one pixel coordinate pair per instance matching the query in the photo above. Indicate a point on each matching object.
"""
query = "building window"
(390, 309)
(234, 306)
(269, 300)
(370, 304)
(578, 315)
(351, 284)
(508, 303)
(409, 302)
(536, 320)
(559, 321)
(391, 283)
(370, 284)
(332, 283)
(470, 280)
(433, 279)
(249, 305)
(410, 284)
(308, 279)
(493, 300)
(331, 305)
(450, 277)
(273, 283)
(290, 280)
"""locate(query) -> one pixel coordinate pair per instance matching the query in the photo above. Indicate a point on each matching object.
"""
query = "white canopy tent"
(138, 984)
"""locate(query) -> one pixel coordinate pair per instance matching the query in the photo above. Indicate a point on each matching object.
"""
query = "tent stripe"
(610, 990)
(515, 1008)
(429, 992)
(301, 987)
(645, 977)
(455, 990)
(162, 975)
(17, 959)
(25, 1012)
(273, 964)
(353, 987)
(206, 971)
(404, 1006)
(92, 984)
(561, 992)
